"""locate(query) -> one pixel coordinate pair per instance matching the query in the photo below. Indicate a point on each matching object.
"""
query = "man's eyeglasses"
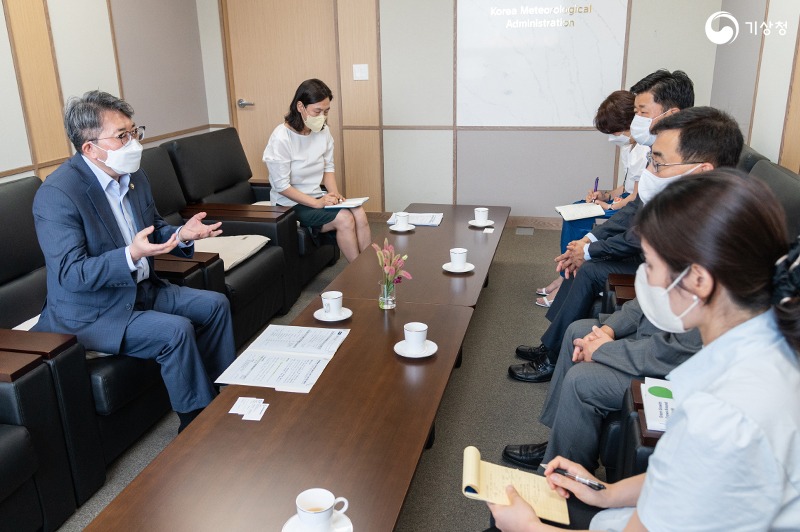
(659, 166)
(126, 136)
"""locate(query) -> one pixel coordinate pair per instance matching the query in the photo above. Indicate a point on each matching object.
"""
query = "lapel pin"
(131, 186)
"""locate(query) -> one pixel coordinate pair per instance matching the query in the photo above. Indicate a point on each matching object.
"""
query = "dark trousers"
(576, 295)
(579, 398)
(189, 333)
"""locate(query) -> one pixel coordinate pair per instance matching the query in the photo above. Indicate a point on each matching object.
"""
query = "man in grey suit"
(582, 394)
(98, 227)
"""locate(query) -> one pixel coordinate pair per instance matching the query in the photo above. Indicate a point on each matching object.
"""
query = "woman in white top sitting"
(299, 157)
(715, 258)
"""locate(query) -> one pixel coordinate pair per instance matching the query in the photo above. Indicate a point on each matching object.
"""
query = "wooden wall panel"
(45, 171)
(790, 145)
(358, 44)
(362, 156)
(36, 70)
(274, 45)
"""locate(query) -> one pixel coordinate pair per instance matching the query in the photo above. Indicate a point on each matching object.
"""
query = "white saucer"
(339, 523)
(476, 223)
(320, 315)
(467, 268)
(430, 349)
(405, 229)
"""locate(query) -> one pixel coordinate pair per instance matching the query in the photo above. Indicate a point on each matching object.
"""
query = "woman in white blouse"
(716, 259)
(299, 157)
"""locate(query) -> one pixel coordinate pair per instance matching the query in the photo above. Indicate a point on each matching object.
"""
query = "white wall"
(736, 68)
(85, 59)
(208, 19)
(183, 33)
(775, 79)
(672, 35)
(14, 150)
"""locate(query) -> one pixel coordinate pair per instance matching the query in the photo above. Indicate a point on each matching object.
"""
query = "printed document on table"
(420, 218)
(285, 358)
(288, 339)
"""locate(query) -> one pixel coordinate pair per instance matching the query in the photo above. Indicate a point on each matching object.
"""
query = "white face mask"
(124, 160)
(314, 123)
(650, 184)
(640, 129)
(655, 304)
(619, 140)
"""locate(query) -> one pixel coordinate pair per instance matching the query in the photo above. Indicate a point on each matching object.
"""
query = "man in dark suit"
(98, 227)
(693, 141)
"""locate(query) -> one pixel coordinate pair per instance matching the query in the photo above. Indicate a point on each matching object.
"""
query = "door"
(268, 58)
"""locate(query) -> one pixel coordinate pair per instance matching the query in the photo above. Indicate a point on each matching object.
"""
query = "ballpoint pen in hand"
(597, 486)
(596, 182)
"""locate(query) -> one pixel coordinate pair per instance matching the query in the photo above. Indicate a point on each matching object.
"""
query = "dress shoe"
(541, 371)
(529, 455)
(534, 354)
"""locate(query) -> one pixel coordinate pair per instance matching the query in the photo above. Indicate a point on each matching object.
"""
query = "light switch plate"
(360, 72)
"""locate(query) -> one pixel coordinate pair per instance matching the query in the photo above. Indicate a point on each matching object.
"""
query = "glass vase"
(387, 299)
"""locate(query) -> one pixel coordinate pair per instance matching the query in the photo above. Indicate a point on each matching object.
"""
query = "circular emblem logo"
(725, 34)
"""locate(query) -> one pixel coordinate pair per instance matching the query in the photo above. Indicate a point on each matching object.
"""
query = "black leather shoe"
(529, 456)
(534, 354)
(532, 371)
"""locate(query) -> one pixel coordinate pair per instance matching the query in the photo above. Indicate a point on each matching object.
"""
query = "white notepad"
(578, 211)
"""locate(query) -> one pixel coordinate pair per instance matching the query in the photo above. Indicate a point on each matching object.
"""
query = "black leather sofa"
(786, 186)
(212, 168)
(257, 287)
(36, 488)
(105, 403)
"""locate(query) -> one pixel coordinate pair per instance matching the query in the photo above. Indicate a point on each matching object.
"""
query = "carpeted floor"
(482, 406)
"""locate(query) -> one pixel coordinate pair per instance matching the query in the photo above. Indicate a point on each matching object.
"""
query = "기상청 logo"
(725, 34)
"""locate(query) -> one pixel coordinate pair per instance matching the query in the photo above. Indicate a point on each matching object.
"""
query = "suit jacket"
(617, 238)
(91, 291)
(646, 350)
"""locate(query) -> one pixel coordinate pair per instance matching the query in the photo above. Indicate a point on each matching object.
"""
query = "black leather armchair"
(36, 489)
(748, 159)
(212, 168)
(255, 288)
(786, 186)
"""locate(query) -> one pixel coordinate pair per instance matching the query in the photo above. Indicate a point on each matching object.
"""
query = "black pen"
(585, 481)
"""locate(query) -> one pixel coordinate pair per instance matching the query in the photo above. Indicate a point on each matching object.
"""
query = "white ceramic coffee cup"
(481, 214)
(415, 335)
(315, 508)
(458, 258)
(401, 219)
(332, 303)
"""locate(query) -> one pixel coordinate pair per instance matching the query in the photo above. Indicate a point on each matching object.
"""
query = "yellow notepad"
(487, 482)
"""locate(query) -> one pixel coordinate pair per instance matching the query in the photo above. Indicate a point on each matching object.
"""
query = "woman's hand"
(328, 199)
(565, 486)
(518, 516)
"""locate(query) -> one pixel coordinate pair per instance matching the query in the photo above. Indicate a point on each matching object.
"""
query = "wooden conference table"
(359, 432)
(428, 248)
